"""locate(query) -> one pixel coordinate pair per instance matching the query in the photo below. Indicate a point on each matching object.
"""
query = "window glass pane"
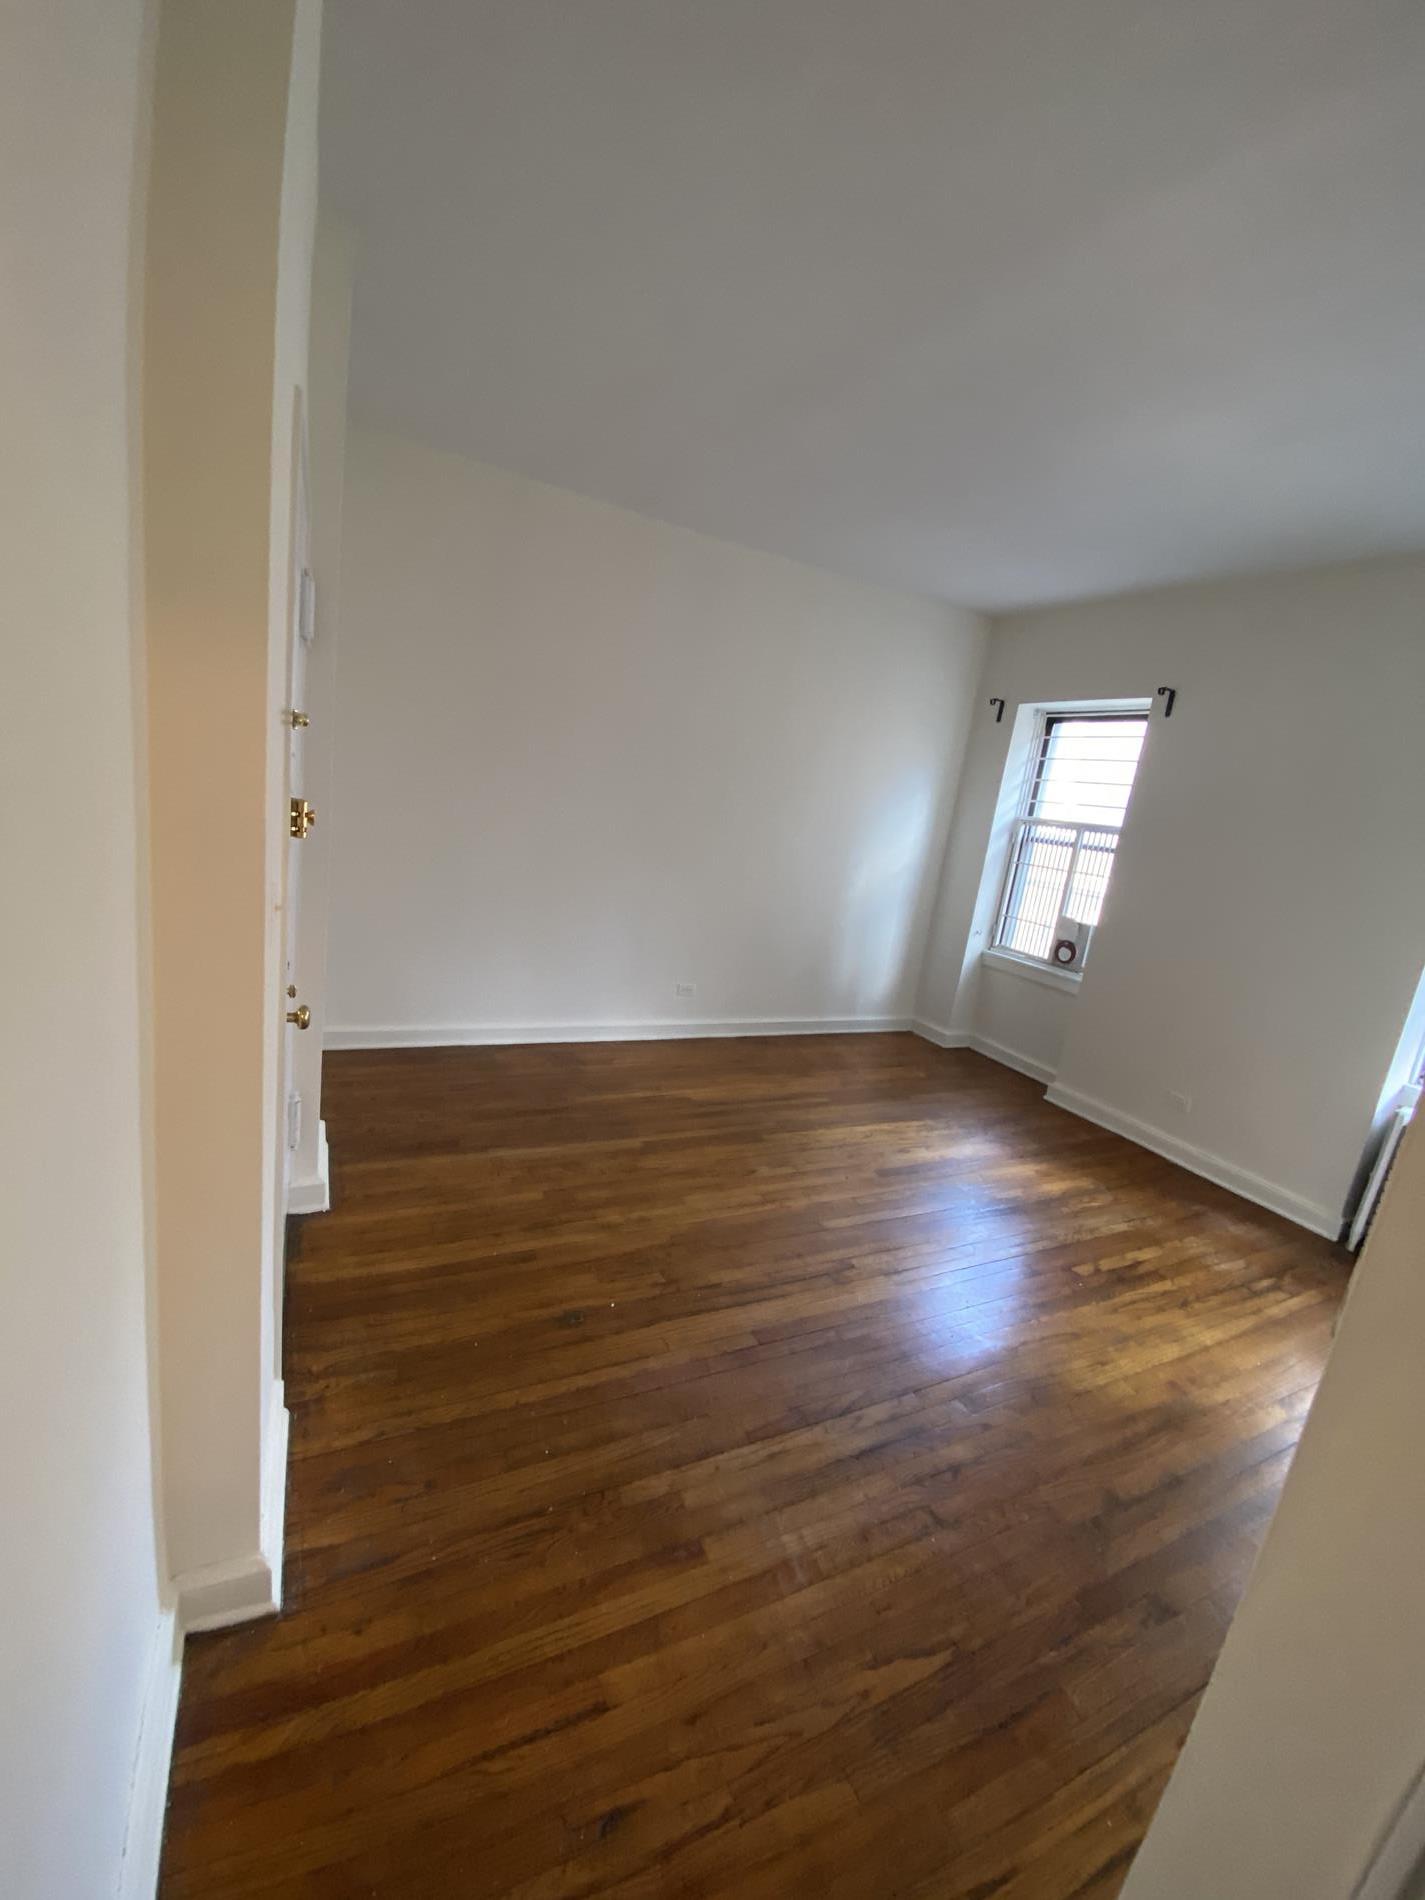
(1086, 770)
(1068, 837)
(1086, 894)
(1036, 890)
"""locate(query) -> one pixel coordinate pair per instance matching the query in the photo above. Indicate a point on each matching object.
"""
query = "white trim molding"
(1012, 1059)
(996, 1051)
(314, 1196)
(273, 1494)
(480, 1035)
(1048, 974)
(216, 1595)
(241, 1588)
(153, 1757)
(942, 1038)
(1252, 1187)
(1215, 1168)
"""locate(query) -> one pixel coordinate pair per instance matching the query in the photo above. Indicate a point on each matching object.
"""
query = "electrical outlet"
(685, 989)
(1180, 1099)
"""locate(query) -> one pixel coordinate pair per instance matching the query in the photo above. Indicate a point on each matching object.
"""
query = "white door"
(302, 596)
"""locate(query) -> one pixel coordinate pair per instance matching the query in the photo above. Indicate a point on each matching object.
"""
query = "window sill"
(1046, 973)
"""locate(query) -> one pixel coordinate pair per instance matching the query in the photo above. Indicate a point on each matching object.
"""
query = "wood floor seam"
(755, 1468)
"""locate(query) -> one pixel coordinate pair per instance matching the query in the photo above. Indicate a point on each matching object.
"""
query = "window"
(1081, 772)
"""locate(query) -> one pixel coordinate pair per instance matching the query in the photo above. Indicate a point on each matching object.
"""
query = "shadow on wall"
(886, 902)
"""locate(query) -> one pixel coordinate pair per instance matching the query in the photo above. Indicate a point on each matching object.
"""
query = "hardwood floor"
(758, 1468)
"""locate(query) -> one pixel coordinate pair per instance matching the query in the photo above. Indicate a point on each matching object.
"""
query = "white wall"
(81, 1611)
(1313, 1725)
(585, 756)
(1021, 1020)
(1265, 930)
(231, 219)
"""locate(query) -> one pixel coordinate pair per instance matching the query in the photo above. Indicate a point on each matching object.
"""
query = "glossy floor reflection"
(758, 1468)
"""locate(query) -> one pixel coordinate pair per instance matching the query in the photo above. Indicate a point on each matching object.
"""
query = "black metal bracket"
(1167, 694)
(998, 705)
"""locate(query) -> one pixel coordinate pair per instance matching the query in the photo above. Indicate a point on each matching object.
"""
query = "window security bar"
(1055, 870)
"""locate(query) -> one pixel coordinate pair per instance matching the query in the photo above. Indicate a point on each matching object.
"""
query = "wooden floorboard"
(743, 1467)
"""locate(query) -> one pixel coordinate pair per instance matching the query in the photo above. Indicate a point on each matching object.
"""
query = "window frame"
(1045, 718)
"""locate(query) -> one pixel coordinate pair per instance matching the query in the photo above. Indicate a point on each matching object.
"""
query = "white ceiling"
(1002, 300)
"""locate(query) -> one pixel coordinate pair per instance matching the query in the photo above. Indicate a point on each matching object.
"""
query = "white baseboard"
(1012, 1059)
(1252, 1187)
(313, 1196)
(206, 1599)
(942, 1038)
(215, 1595)
(153, 1756)
(982, 1045)
(242, 1588)
(274, 1485)
(474, 1035)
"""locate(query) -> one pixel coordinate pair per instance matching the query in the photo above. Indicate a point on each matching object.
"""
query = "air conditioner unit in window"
(1071, 944)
